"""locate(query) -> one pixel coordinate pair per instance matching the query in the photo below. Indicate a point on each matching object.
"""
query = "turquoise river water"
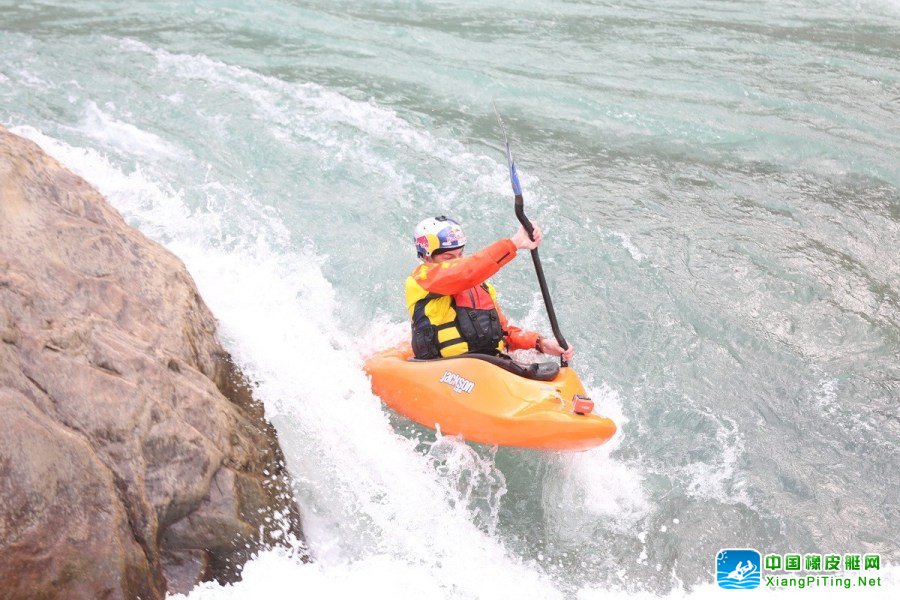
(720, 191)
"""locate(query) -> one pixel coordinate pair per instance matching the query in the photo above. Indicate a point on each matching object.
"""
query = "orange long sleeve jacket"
(460, 275)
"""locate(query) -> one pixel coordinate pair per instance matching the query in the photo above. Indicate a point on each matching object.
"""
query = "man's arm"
(516, 337)
(457, 275)
(522, 339)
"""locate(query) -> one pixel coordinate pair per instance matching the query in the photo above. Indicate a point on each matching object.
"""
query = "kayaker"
(454, 309)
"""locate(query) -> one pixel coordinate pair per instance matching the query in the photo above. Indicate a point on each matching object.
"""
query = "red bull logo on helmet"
(426, 244)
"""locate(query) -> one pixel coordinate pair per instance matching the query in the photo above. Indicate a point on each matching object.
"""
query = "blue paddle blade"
(513, 175)
(514, 178)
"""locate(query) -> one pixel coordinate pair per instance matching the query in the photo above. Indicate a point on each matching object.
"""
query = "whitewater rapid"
(719, 190)
(379, 510)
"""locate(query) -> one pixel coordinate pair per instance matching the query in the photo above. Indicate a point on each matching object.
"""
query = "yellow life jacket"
(445, 326)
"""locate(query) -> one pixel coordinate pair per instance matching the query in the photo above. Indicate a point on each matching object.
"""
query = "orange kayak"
(488, 404)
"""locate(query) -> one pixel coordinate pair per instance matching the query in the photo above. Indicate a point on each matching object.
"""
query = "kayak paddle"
(520, 214)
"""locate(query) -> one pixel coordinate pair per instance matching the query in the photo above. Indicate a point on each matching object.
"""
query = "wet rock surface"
(134, 460)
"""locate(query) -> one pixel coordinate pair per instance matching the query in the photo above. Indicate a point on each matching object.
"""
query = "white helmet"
(438, 233)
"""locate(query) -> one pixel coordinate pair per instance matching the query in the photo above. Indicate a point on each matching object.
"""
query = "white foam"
(156, 210)
(826, 397)
(722, 480)
(28, 79)
(586, 490)
(470, 477)
(380, 521)
(633, 250)
(592, 488)
(368, 497)
(382, 334)
(371, 493)
(317, 113)
(276, 575)
(113, 133)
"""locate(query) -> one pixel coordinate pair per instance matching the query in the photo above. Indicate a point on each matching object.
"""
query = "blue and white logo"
(738, 569)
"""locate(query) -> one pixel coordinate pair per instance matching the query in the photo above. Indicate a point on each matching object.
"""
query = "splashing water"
(719, 193)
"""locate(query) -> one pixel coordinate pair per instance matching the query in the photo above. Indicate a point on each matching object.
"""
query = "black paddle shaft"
(545, 291)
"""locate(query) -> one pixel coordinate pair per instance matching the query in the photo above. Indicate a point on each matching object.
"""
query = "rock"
(134, 459)
(62, 535)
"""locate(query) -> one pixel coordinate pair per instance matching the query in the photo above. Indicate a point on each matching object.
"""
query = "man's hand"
(551, 346)
(522, 241)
